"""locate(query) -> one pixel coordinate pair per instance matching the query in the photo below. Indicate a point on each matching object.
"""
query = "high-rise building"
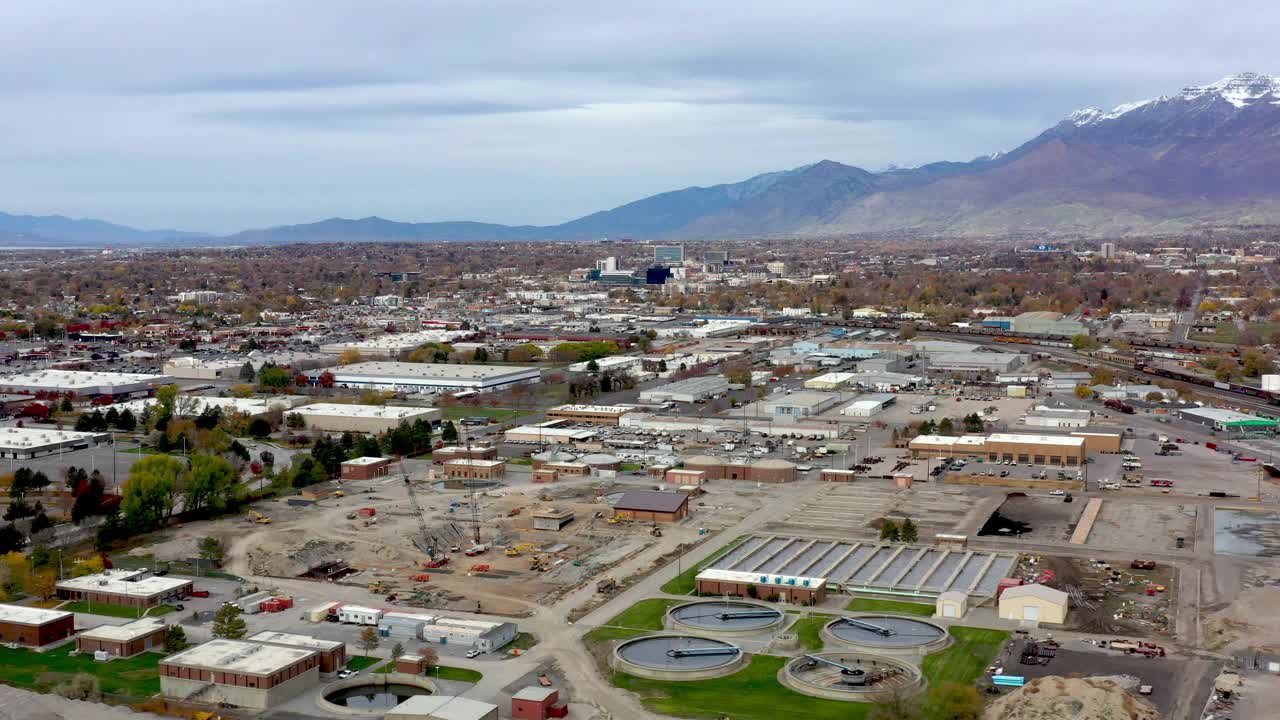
(1108, 250)
(668, 255)
(609, 264)
(715, 258)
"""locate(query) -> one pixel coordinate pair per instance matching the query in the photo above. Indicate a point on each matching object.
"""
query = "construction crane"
(474, 499)
(426, 540)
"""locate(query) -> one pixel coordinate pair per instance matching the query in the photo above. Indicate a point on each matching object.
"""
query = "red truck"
(1161, 483)
(1211, 446)
(200, 593)
(437, 563)
(1119, 406)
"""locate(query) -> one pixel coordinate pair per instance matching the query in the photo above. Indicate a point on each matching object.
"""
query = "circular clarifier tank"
(851, 676)
(724, 617)
(677, 657)
(888, 634)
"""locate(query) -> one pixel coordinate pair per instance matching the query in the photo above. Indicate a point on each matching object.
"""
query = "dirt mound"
(1059, 698)
(1249, 620)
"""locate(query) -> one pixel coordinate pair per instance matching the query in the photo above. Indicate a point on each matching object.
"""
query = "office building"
(668, 255)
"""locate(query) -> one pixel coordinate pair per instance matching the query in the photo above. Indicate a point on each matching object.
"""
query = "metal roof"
(651, 501)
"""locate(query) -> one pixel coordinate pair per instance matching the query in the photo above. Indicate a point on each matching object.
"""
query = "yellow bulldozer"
(257, 517)
(377, 586)
(516, 550)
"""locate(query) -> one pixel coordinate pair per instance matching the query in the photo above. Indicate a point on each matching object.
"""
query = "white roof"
(421, 371)
(736, 576)
(402, 341)
(72, 379)
(23, 615)
(295, 640)
(442, 707)
(119, 582)
(474, 462)
(366, 461)
(1037, 439)
(124, 633)
(359, 609)
(1035, 590)
(536, 693)
(611, 409)
(394, 412)
(240, 656)
(19, 438)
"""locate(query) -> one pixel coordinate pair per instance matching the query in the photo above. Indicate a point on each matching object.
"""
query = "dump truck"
(607, 585)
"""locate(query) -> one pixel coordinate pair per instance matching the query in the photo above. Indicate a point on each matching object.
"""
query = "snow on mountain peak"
(1091, 115)
(1240, 89)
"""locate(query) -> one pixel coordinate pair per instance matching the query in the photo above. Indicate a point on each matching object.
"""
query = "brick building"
(467, 469)
(333, 653)
(590, 414)
(454, 452)
(252, 675)
(790, 589)
(537, 703)
(365, 468)
(125, 640)
(125, 588)
(34, 627)
(652, 506)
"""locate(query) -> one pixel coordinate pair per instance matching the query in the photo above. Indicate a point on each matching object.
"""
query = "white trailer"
(359, 615)
(320, 612)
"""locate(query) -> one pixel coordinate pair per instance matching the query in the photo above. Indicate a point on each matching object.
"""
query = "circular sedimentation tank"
(372, 694)
(677, 657)
(852, 676)
(724, 617)
(887, 634)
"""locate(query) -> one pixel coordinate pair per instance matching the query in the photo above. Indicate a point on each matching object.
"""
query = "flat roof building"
(590, 414)
(1038, 449)
(471, 469)
(125, 640)
(34, 627)
(365, 468)
(687, 391)
(869, 405)
(442, 707)
(394, 346)
(429, 377)
(788, 588)
(550, 432)
(552, 518)
(796, 405)
(82, 382)
(1220, 419)
(371, 419)
(333, 653)
(26, 443)
(125, 588)
(249, 674)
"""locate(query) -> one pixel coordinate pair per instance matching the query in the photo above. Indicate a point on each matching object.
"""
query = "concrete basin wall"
(911, 652)
(370, 680)
(621, 664)
(915, 682)
(674, 624)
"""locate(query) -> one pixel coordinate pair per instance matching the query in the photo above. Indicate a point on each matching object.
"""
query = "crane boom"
(426, 541)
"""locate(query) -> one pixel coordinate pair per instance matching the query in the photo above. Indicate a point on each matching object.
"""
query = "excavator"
(257, 517)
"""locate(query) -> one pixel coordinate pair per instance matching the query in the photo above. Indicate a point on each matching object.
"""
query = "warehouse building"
(193, 405)
(1220, 419)
(687, 391)
(365, 468)
(622, 364)
(394, 346)
(442, 707)
(1065, 450)
(34, 627)
(371, 419)
(1034, 603)
(551, 432)
(125, 588)
(831, 381)
(251, 675)
(764, 426)
(785, 407)
(123, 641)
(869, 405)
(1060, 418)
(959, 363)
(590, 414)
(1101, 440)
(82, 383)
(787, 588)
(190, 368)
(25, 443)
(467, 469)
(333, 653)
(652, 506)
(429, 377)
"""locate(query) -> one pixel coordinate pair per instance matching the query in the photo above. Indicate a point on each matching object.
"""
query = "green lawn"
(457, 412)
(640, 619)
(361, 662)
(890, 606)
(120, 611)
(136, 676)
(630, 467)
(752, 693)
(442, 672)
(969, 656)
(684, 583)
(809, 630)
(520, 461)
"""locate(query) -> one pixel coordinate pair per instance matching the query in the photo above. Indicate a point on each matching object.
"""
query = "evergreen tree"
(908, 533)
(246, 372)
(449, 434)
(228, 624)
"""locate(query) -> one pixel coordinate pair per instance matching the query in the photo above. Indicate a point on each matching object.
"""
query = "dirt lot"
(1165, 675)
(855, 509)
(1051, 519)
(1103, 602)
(1123, 524)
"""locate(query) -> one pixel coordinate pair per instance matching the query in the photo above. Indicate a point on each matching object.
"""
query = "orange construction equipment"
(481, 567)
(421, 577)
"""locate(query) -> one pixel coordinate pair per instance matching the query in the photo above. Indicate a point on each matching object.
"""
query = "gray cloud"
(221, 114)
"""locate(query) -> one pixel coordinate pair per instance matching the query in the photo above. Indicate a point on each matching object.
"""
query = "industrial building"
(480, 635)
(442, 707)
(125, 588)
(1066, 450)
(193, 405)
(590, 414)
(551, 432)
(687, 391)
(652, 506)
(1220, 419)
(552, 518)
(975, 362)
(333, 653)
(1060, 418)
(869, 405)
(25, 443)
(190, 368)
(125, 640)
(371, 419)
(365, 468)
(784, 406)
(429, 377)
(34, 627)
(1034, 603)
(763, 426)
(82, 383)
(622, 364)
(394, 346)
(766, 470)
(468, 469)
(788, 588)
(251, 675)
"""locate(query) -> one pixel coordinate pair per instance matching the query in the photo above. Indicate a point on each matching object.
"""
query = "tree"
(43, 584)
(973, 423)
(369, 640)
(1255, 363)
(350, 356)
(11, 539)
(953, 701)
(81, 686)
(247, 373)
(326, 380)
(480, 355)
(211, 549)
(429, 656)
(1083, 342)
(449, 433)
(40, 523)
(1154, 396)
(175, 639)
(895, 704)
(1224, 372)
(241, 390)
(295, 421)
(1083, 392)
(908, 533)
(228, 624)
(889, 530)
(274, 377)
(593, 366)
(150, 491)
(126, 422)
(259, 428)
(946, 427)
(397, 651)
(89, 500)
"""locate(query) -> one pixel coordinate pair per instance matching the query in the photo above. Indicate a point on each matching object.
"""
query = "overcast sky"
(223, 115)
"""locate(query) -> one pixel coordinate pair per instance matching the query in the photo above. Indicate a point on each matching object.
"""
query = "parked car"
(344, 674)
(473, 653)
